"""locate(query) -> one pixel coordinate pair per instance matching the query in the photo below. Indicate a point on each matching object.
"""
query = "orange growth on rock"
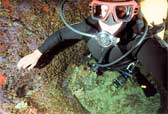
(9, 14)
(46, 9)
(2, 79)
(6, 4)
(51, 13)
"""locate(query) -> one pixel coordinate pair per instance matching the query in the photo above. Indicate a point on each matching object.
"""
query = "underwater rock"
(2, 99)
(21, 105)
(24, 6)
(3, 112)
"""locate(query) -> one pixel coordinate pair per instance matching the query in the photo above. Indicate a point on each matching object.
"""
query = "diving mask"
(120, 11)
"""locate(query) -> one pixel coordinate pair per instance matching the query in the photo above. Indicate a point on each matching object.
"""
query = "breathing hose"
(61, 10)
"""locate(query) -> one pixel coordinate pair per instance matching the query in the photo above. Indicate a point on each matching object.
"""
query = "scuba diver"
(119, 34)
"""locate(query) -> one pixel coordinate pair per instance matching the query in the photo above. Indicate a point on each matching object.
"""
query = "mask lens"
(97, 11)
(100, 11)
(123, 12)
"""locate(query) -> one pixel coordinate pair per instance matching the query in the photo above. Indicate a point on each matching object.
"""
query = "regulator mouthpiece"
(105, 39)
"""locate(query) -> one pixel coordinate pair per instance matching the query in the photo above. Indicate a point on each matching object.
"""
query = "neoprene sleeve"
(66, 34)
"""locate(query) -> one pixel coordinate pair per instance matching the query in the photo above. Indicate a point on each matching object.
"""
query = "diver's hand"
(29, 61)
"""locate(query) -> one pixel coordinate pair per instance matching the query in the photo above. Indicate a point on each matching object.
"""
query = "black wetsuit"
(152, 53)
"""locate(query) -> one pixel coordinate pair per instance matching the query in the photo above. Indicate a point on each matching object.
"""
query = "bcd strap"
(155, 29)
(147, 87)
